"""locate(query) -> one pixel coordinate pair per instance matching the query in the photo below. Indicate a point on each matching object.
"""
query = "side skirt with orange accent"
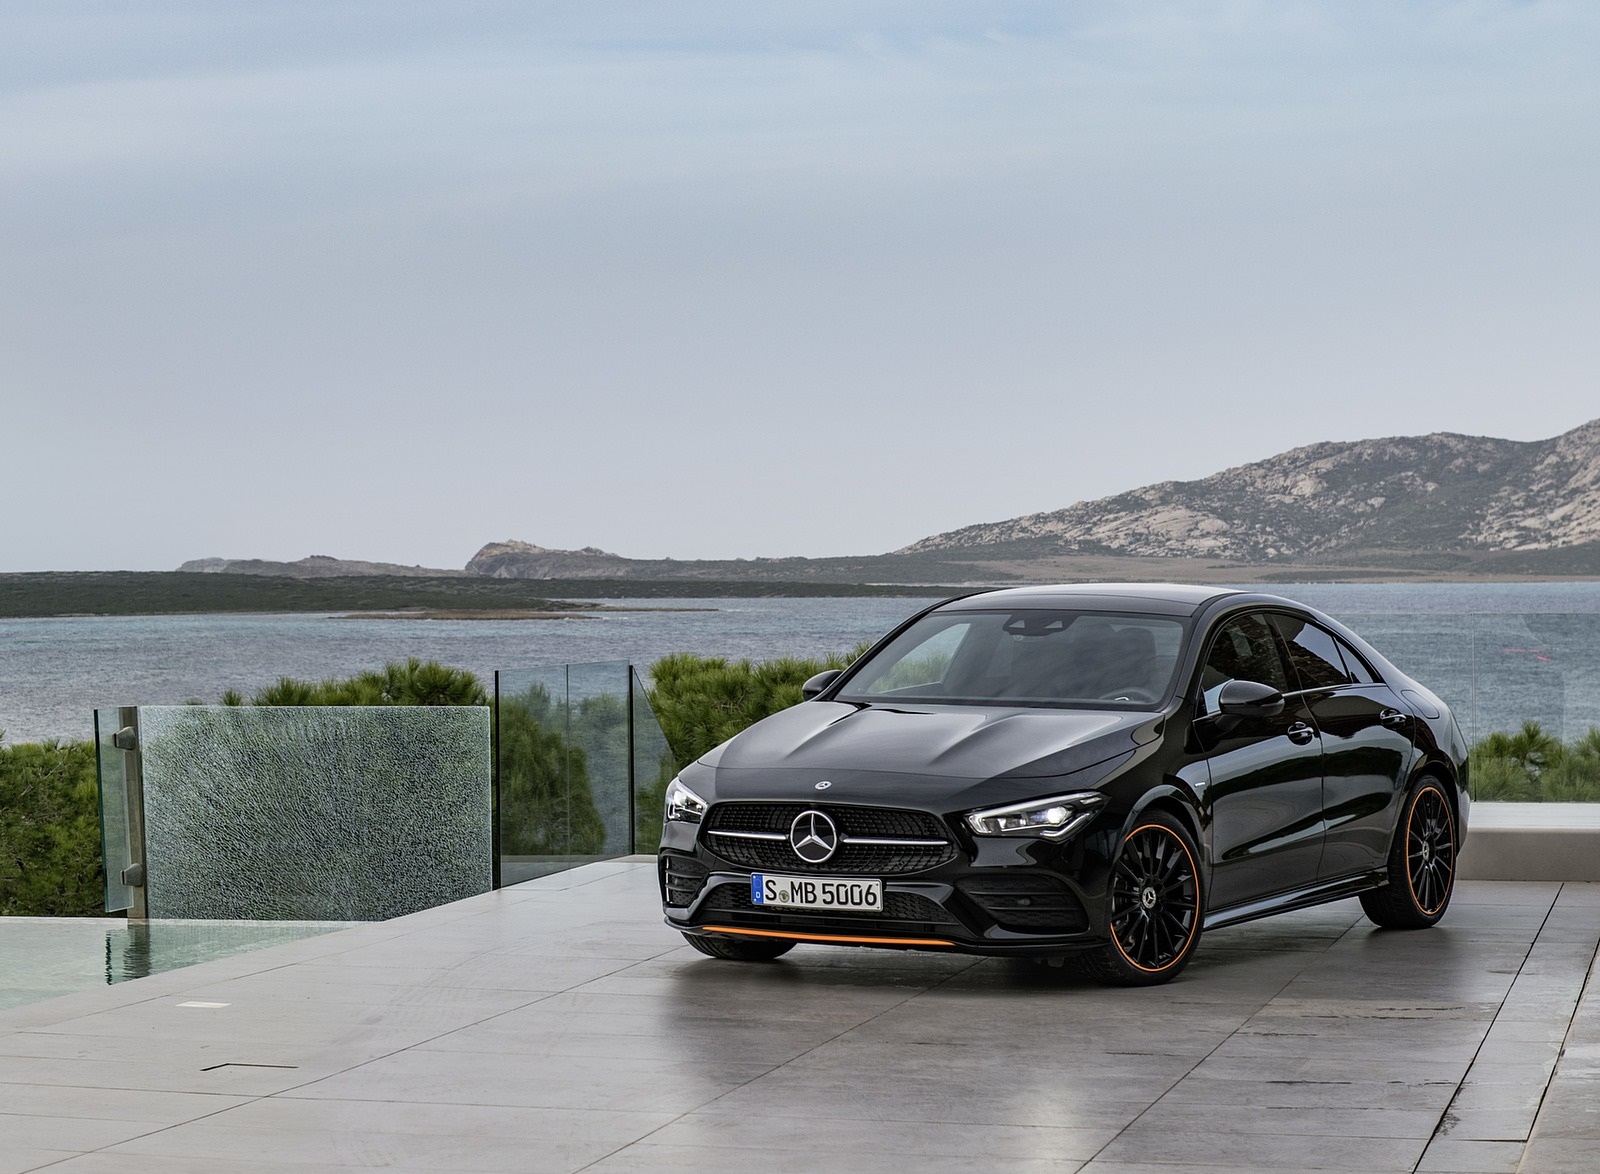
(840, 939)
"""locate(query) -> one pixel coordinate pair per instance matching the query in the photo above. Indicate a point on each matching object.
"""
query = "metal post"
(633, 780)
(494, 796)
(136, 875)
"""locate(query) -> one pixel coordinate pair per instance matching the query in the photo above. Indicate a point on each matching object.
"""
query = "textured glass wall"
(314, 813)
(116, 849)
(571, 740)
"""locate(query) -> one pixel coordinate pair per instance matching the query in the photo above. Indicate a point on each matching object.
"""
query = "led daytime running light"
(1054, 818)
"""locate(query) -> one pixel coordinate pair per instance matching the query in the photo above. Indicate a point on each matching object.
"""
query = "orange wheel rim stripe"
(789, 936)
(1195, 872)
(1450, 822)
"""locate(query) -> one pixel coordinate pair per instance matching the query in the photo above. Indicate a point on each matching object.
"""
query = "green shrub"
(409, 682)
(49, 831)
(1501, 779)
(1530, 748)
(1587, 750)
(1533, 766)
(702, 701)
(288, 691)
(1570, 782)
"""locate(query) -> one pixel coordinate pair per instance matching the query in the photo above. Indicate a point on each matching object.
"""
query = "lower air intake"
(1027, 903)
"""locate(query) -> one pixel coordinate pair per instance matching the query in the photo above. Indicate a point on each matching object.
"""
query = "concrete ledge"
(1532, 842)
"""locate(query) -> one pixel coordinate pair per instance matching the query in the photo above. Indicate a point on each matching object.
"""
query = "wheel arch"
(1439, 769)
(1177, 802)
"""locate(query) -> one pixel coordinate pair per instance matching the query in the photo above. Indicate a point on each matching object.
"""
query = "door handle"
(1300, 733)
(1394, 719)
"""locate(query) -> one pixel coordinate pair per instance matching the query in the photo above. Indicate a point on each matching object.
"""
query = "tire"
(739, 949)
(1154, 906)
(1422, 863)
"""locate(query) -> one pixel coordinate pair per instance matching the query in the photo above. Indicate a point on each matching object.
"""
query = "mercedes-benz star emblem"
(824, 785)
(813, 837)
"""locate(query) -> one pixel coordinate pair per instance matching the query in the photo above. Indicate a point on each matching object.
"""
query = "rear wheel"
(739, 949)
(1155, 909)
(1422, 863)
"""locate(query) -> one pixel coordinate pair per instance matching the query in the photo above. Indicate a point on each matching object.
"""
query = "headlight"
(1055, 818)
(683, 805)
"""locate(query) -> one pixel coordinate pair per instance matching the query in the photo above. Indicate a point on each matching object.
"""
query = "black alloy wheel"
(1422, 864)
(1155, 907)
(754, 949)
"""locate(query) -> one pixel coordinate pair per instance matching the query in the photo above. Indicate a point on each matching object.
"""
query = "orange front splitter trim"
(819, 937)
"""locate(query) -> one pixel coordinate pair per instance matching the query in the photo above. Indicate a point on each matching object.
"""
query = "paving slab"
(559, 1026)
(1565, 1137)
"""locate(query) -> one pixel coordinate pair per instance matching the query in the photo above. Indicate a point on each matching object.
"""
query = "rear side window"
(1313, 653)
(1355, 665)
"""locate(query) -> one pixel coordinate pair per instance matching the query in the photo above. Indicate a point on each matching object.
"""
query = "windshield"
(1093, 660)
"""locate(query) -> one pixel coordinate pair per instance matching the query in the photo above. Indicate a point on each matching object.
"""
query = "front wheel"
(739, 949)
(1422, 863)
(1155, 910)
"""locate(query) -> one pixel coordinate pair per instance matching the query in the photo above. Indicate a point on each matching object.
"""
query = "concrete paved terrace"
(558, 1026)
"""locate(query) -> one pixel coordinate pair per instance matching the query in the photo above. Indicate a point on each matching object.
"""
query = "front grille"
(877, 823)
(1026, 902)
(681, 879)
(902, 913)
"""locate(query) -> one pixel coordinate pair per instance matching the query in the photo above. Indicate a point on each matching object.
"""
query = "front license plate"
(809, 892)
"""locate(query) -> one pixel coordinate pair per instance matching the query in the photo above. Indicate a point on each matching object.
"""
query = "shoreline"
(507, 614)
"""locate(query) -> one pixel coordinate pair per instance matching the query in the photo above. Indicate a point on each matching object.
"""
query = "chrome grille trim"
(749, 835)
(886, 841)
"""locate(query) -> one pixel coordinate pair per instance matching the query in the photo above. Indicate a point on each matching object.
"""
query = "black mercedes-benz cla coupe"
(1102, 771)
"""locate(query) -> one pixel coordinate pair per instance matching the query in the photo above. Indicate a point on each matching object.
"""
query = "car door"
(1264, 795)
(1366, 745)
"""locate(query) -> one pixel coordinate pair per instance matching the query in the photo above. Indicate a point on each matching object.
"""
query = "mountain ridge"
(1440, 493)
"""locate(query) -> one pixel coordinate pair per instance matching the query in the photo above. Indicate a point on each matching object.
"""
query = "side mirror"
(1249, 699)
(818, 683)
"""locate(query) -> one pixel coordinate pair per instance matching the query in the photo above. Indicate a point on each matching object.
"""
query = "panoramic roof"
(1168, 598)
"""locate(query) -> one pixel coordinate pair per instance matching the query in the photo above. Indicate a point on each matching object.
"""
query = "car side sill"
(1317, 894)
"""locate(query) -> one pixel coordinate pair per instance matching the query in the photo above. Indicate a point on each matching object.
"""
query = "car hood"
(949, 741)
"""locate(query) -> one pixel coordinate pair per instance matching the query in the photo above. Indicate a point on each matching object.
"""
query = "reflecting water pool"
(42, 957)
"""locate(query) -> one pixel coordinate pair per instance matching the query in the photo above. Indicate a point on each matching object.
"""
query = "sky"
(713, 279)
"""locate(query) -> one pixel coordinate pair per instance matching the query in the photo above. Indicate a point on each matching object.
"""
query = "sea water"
(1498, 652)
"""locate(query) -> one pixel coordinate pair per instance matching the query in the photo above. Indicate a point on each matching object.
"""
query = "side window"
(1313, 653)
(1357, 668)
(1243, 649)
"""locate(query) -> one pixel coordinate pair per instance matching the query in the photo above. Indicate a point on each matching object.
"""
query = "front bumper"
(1019, 908)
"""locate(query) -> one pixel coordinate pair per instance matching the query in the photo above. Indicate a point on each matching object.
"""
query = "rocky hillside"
(317, 566)
(1329, 502)
(523, 560)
